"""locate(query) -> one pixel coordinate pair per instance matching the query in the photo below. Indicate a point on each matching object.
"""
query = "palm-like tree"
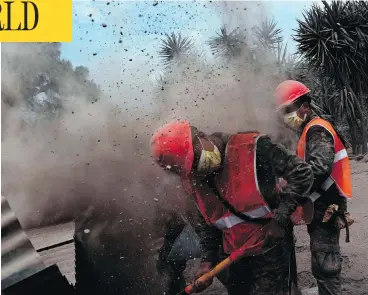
(333, 40)
(281, 54)
(267, 35)
(227, 45)
(174, 46)
(270, 49)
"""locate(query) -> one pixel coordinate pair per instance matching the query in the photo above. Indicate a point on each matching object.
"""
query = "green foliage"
(227, 45)
(333, 41)
(267, 35)
(335, 38)
(270, 50)
(45, 82)
(174, 46)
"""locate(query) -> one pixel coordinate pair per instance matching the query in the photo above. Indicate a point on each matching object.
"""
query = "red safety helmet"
(172, 145)
(288, 92)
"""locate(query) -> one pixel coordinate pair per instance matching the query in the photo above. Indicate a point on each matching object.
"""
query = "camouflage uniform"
(324, 237)
(169, 260)
(268, 273)
(174, 268)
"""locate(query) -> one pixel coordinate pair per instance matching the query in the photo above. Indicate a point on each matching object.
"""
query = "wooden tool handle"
(210, 275)
(235, 256)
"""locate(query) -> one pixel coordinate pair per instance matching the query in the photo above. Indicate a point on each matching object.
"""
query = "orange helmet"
(171, 145)
(288, 92)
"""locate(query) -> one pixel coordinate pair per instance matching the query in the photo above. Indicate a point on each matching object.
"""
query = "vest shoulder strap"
(211, 183)
(320, 122)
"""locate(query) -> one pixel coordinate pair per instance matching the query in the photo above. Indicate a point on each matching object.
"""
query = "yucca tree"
(281, 54)
(333, 40)
(266, 35)
(174, 46)
(270, 48)
(227, 46)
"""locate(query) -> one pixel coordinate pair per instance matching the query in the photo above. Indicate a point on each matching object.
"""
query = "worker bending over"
(232, 179)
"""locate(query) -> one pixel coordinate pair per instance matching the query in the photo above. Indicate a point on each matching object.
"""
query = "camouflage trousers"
(326, 257)
(176, 281)
(267, 274)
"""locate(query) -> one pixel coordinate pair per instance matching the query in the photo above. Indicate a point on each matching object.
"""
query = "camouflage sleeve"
(210, 239)
(294, 170)
(173, 228)
(320, 154)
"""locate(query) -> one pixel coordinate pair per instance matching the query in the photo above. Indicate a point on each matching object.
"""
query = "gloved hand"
(274, 234)
(341, 223)
(205, 267)
(333, 209)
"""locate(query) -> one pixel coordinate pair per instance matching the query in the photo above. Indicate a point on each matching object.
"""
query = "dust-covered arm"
(173, 229)
(295, 171)
(320, 154)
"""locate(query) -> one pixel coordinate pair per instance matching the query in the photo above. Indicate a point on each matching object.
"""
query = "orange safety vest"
(238, 185)
(340, 174)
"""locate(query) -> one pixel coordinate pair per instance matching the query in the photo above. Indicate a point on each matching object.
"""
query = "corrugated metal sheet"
(45, 282)
(56, 245)
(19, 258)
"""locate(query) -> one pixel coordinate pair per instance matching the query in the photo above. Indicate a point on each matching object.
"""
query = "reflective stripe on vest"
(232, 220)
(324, 187)
(340, 174)
(340, 155)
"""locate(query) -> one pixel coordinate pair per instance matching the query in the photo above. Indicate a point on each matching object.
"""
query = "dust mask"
(209, 161)
(293, 120)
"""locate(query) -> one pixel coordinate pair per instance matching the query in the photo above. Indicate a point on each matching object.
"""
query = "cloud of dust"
(241, 14)
(93, 164)
(228, 97)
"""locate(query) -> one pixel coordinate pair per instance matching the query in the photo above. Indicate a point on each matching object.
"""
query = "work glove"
(274, 234)
(342, 220)
(205, 267)
(332, 210)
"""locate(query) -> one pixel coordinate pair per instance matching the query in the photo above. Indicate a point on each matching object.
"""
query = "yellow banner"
(36, 21)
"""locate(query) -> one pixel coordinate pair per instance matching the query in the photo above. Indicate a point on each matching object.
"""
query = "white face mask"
(293, 120)
(209, 161)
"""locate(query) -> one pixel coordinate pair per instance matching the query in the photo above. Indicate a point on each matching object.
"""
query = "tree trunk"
(363, 121)
(364, 134)
(363, 126)
(354, 144)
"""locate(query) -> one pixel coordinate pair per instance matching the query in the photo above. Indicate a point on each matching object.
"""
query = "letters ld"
(27, 8)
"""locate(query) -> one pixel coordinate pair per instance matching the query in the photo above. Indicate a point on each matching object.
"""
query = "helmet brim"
(291, 101)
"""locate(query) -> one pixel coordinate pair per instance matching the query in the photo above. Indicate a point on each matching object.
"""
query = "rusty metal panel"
(19, 259)
(56, 245)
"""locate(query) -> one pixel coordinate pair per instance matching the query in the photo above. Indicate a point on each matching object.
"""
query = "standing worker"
(323, 149)
(232, 179)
